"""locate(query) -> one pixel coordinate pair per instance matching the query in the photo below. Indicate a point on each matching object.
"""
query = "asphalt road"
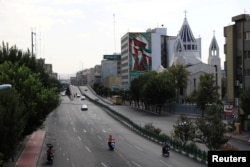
(80, 139)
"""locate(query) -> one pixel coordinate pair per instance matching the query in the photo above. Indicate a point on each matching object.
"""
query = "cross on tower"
(185, 13)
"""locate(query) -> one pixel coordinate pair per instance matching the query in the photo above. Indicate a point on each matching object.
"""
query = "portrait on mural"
(140, 50)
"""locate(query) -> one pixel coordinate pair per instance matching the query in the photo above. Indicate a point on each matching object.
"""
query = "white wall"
(156, 50)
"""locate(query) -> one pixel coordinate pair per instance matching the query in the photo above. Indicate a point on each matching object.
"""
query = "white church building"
(186, 49)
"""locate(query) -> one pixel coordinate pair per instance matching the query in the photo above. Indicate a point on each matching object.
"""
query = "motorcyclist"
(110, 140)
(50, 151)
(165, 148)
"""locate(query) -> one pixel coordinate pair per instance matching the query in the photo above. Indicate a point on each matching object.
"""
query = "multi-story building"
(97, 75)
(140, 52)
(48, 68)
(110, 73)
(91, 76)
(237, 57)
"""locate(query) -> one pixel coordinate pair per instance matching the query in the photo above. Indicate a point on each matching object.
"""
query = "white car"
(83, 98)
(84, 107)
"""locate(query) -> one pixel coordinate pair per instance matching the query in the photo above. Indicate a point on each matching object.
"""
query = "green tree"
(31, 91)
(210, 131)
(153, 89)
(184, 129)
(207, 93)
(165, 87)
(180, 78)
(138, 85)
(12, 121)
(32, 96)
(244, 101)
(159, 90)
(135, 91)
(20, 58)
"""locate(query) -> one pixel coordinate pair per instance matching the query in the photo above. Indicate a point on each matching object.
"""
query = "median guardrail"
(187, 149)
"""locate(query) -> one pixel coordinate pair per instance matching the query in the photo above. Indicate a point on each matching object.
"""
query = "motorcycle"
(165, 151)
(50, 154)
(111, 145)
(50, 158)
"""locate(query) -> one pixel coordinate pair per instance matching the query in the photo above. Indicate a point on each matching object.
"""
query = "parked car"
(83, 97)
(84, 107)
(78, 95)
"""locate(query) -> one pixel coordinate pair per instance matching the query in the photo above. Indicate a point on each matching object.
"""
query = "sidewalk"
(244, 136)
(31, 152)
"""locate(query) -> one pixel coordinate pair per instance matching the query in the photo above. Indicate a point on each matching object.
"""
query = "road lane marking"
(84, 130)
(136, 164)
(166, 163)
(87, 149)
(79, 138)
(104, 130)
(99, 137)
(103, 164)
(138, 147)
(74, 129)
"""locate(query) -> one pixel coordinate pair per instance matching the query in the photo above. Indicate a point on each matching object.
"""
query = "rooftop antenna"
(114, 34)
(40, 49)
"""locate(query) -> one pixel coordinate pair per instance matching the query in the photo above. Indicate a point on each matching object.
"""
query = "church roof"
(186, 32)
(214, 44)
(179, 47)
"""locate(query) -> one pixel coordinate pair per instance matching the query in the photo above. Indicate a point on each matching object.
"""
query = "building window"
(248, 35)
(248, 72)
(247, 54)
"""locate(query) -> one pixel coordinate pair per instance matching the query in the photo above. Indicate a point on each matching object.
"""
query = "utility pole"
(32, 42)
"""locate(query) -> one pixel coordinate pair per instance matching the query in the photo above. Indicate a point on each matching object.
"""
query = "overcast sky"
(74, 34)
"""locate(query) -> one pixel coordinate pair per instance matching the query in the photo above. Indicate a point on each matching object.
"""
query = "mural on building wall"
(140, 59)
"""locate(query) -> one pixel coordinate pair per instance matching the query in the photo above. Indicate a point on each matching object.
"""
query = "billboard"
(140, 59)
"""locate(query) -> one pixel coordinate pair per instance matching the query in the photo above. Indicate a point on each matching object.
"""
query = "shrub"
(150, 127)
